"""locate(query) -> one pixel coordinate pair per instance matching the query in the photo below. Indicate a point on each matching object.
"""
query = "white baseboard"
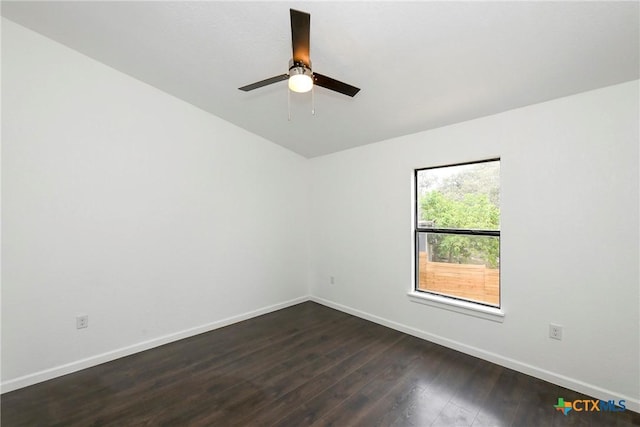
(89, 362)
(543, 374)
(571, 383)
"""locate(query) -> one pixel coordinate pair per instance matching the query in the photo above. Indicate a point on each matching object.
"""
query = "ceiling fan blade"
(264, 82)
(335, 85)
(300, 27)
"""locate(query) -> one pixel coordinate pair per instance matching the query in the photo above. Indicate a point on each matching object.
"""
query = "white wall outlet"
(555, 331)
(332, 280)
(82, 321)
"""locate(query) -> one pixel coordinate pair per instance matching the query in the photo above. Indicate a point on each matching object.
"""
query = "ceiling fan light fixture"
(300, 76)
(300, 79)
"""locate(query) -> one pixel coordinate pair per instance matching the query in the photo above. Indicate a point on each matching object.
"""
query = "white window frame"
(458, 305)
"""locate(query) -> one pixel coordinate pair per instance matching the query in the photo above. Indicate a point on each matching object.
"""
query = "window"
(457, 232)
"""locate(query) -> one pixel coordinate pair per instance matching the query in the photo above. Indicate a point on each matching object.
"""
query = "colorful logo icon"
(563, 406)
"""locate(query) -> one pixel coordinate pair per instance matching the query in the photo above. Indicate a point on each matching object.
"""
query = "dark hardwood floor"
(304, 365)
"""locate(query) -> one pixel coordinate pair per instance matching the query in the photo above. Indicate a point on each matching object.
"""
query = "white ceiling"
(420, 65)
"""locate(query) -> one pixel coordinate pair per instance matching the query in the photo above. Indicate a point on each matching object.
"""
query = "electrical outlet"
(332, 280)
(82, 321)
(555, 331)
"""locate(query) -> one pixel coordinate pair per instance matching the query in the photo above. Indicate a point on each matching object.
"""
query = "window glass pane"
(460, 266)
(463, 197)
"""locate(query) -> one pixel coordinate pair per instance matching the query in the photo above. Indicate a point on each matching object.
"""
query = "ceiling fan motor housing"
(298, 67)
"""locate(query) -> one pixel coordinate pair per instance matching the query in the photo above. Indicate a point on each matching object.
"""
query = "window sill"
(464, 307)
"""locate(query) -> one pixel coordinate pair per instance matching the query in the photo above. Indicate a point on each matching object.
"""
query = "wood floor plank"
(304, 365)
(252, 385)
(400, 365)
(323, 381)
(451, 376)
(385, 360)
(504, 399)
(407, 392)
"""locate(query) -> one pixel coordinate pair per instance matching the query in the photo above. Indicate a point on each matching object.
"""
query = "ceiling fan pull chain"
(288, 104)
(313, 102)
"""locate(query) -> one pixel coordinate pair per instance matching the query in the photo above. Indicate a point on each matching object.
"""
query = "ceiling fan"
(301, 77)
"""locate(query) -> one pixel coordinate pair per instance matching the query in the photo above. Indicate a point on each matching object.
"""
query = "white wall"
(569, 255)
(155, 218)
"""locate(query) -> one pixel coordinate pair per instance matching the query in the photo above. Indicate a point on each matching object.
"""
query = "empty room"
(320, 213)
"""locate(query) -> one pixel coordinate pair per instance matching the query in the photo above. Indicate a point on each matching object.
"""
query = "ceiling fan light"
(300, 79)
